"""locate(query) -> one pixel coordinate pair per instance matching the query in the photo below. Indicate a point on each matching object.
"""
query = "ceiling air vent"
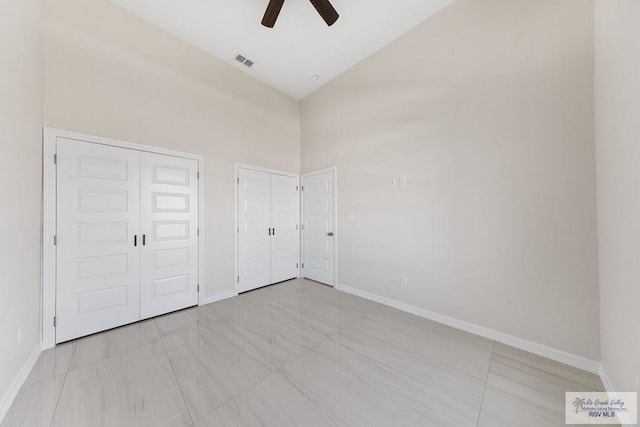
(241, 59)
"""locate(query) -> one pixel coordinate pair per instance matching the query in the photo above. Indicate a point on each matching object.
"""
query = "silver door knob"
(330, 234)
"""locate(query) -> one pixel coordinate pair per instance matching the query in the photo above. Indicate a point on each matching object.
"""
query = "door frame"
(49, 220)
(236, 177)
(333, 169)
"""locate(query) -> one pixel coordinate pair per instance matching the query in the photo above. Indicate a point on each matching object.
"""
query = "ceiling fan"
(324, 8)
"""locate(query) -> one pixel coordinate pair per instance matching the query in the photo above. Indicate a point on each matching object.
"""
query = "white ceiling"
(301, 44)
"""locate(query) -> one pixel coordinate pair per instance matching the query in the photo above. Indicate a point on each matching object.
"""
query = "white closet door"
(98, 216)
(169, 205)
(254, 240)
(285, 213)
(318, 232)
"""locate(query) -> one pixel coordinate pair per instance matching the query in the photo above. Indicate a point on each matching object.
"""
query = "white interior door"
(318, 233)
(98, 262)
(169, 229)
(285, 214)
(254, 239)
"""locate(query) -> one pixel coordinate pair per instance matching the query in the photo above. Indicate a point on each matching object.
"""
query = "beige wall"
(20, 183)
(487, 108)
(111, 74)
(617, 100)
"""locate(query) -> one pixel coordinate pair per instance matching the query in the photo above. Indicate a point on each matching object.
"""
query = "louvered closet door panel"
(254, 242)
(169, 205)
(285, 214)
(97, 218)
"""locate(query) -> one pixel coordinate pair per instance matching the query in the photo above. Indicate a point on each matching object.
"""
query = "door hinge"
(238, 279)
(198, 288)
(55, 318)
(55, 240)
(198, 231)
(198, 175)
(55, 159)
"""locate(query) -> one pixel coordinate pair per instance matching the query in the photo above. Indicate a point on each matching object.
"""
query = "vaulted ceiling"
(301, 53)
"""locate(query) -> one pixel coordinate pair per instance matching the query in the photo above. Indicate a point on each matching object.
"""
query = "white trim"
(48, 299)
(336, 235)
(49, 216)
(218, 297)
(236, 167)
(608, 386)
(522, 344)
(13, 390)
(60, 133)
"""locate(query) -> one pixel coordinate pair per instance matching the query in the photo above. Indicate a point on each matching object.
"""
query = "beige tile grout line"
(64, 383)
(184, 401)
(486, 381)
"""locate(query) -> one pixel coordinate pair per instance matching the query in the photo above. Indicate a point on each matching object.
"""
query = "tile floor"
(293, 354)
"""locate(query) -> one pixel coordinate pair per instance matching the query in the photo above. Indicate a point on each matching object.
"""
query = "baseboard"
(10, 395)
(218, 297)
(522, 344)
(608, 386)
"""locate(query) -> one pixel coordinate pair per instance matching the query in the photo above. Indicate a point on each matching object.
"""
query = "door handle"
(144, 240)
(269, 231)
(135, 240)
(330, 234)
(274, 231)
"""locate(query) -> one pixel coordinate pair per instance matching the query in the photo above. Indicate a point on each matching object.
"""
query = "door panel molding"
(236, 226)
(169, 215)
(334, 239)
(113, 171)
(101, 274)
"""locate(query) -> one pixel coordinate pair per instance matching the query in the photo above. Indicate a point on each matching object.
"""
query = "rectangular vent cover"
(241, 59)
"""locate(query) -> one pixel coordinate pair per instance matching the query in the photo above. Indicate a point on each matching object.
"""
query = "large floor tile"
(278, 334)
(135, 388)
(51, 363)
(528, 390)
(35, 404)
(322, 316)
(438, 343)
(357, 391)
(339, 299)
(273, 402)
(442, 379)
(105, 345)
(217, 367)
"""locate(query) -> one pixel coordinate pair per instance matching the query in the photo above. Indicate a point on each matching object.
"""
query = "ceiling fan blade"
(326, 10)
(272, 12)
